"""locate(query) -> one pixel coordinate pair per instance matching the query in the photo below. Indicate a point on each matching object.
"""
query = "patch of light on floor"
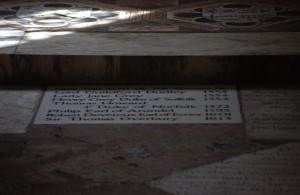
(8, 43)
(122, 16)
(45, 35)
(9, 37)
(33, 18)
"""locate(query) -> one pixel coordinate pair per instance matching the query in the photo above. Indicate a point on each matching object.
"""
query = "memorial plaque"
(111, 105)
(272, 114)
(273, 171)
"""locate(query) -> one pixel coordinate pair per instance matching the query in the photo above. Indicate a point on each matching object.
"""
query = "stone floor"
(253, 45)
(149, 42)
(149, 158)
(152, 16)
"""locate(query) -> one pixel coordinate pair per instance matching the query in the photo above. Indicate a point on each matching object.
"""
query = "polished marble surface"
(18, 105)
(139, 105)
(9, 40)
(191, 16)
(272, 171)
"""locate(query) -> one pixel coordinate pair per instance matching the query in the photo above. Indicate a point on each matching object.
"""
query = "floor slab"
(128, 153)
(272, 114)
(18, 105)
(9, 40)
(272, 171)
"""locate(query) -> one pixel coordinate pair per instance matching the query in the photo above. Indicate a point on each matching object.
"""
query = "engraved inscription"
(273, 171)
(272, 113)
(139, 105)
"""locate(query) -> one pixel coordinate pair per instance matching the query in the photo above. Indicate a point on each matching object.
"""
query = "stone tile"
(275, 17)
(272, 114)
(159, 44)
(85, 15)
(133, 153)
(9, 40)
(17, 108)
(57, 15)
(272, 171)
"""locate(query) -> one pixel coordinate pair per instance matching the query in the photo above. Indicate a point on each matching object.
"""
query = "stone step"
(139, 45)
(175, 42)
(150, 58)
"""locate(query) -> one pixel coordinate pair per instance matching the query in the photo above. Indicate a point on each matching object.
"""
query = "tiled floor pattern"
(198, 16)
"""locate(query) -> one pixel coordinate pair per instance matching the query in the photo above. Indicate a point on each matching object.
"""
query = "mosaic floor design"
(175, 16)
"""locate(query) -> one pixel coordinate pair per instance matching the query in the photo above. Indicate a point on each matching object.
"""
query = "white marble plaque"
(272, 171)
(272, 114)
(111, 105)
